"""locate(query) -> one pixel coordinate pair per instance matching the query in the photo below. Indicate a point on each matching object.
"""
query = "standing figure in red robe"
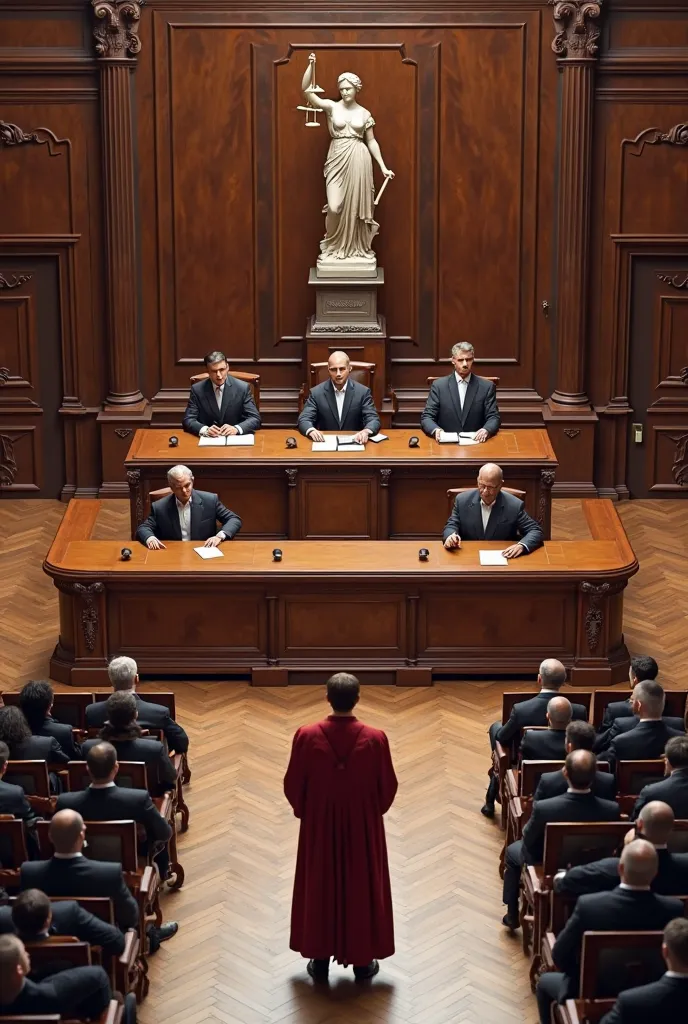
(340, 781)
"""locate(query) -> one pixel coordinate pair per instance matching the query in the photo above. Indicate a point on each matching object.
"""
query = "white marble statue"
(349, 222)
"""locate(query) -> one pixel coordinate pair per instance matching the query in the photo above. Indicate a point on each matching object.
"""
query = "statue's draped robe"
(340, 781)
(350, 166)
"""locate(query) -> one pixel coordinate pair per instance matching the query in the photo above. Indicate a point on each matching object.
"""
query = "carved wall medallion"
(13, 135)
(116, 31)
(123, 431)
(8, 463)
(676, 136)
(572, 432)
(679, 469)
(134, 481)
(577, 28)
(594, 618)
(14, 280)
(675, 281)
(292, 474)
(546, 481)
(90, 621)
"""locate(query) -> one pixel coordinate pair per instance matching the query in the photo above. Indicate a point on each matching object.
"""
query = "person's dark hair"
(35, 700)
(581, 735)
(644, 667)
(343, 691)
(121, 717)
(215, 357)
(30, 911)
(101, 759)
(14, 728)
(676, 939)
(581, 766)
(4, 754)
(676, 751)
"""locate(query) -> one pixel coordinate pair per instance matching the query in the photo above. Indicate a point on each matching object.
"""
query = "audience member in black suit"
(649, 737)
(462, 401)
(579, 736)
(664, 1000)
(623, 725)
(15, 732)
(629, 907)
(33, 918)
(578, 804)
(104, 800)
(122, 730)
(12, 798)
(533, 711)
(340, 403)
(123, 675)
(77, 992)
(221, 404)
(674, 789)
(642, 667)
(36, 701)
(548, 744)
(655, 824)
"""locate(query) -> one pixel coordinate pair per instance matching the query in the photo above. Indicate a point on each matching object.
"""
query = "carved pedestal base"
(345, 307)
(116, 434)
(572, 434)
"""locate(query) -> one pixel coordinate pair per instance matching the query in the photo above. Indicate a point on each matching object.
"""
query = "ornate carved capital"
(594, 618)
(292, 474)
(385, 475)
(679, 469)
(14, 280)
(116, 30)
(8, 463)
(576, 22)
(546, 481)
(90, 620)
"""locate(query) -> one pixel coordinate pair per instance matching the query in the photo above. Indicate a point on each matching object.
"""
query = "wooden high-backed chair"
(32, 776)
(252, 379)
(12, 850)
(364, 373)
(454, 491)
(69, 708)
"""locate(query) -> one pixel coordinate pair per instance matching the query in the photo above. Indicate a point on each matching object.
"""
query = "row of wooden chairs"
(113, 1015)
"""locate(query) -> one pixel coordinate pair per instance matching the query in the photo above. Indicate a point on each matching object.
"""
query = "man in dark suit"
(489, 513)
(579, 736)
(187, 514)
(461, 402)
(104, 800)
(664, 1000)
(648, 738)
(78, 992)
(123, 674)
(655, 824)
(642, 667)
(36, 701)
(674, 789)
(629, 907)
(33, 918)
(551, 676)
(578, 804)
(12, 798)
(340, 403)
(548, 744)
(222, 404)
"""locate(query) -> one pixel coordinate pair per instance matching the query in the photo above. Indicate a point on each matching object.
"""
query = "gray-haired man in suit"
(462, 401)
(187, 514)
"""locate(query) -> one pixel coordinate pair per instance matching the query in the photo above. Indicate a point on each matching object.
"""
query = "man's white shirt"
(462, 386)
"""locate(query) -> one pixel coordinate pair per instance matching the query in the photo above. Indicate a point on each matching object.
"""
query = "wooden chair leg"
(186, 771)
(175, 867)
(182, 808)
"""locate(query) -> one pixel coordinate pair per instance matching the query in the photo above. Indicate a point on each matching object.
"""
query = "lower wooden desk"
(368, 606)
(388, 491)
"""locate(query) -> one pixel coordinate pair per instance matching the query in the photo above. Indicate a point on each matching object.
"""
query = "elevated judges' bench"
(388, 491)
(368, 606)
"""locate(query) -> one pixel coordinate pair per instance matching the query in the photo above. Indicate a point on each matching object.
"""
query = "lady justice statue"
(346, 249)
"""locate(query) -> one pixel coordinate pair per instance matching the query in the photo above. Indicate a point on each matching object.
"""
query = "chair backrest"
(570, 843)
(678, 840)
(68, 708)
(166, 699)
(32, 776)
(252, 379)
(131, 775)
(492, 380)
(454, 491)
(106, 840)
(364, 373)
(674, 706)
(12, 843)
(583, 697)
(631, 776)
(57, 953)
(100, 906)
(161, 492)
(531, 772)
(614, 961)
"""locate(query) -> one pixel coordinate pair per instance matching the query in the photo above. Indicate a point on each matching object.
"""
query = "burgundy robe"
(340, 781)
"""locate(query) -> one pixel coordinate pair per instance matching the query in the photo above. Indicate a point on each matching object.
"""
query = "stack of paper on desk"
(337, 442)
(451, 437)
(242, 440)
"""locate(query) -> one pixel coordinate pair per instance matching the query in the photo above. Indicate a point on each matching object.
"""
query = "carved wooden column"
(116, 34)
(575, 44)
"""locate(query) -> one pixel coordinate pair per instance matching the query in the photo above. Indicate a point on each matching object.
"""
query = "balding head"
(559, 713)
(339, 368)
(655, 822)
(490, 480)
(67, 832)
(638, 864)
(552, 674)
(579, 769)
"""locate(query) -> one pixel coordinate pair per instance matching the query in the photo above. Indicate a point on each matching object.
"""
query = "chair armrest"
(165, 805)
(510, 784)
(535, 878)
(126, 967)
(546, 950)
(131, 948)
(113, 1014)
(148, 883)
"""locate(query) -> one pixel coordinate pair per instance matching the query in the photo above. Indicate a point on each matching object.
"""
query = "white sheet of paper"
(345, 439)
(467, 440)
(211, 442)
(448, 437)
(493, 558)
(240, 440)
(328, 445)
(351, 447)
(209, 552)
(379, 437)
(469, 434)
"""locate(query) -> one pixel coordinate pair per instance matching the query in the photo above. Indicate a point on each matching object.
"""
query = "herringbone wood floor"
(230, 961)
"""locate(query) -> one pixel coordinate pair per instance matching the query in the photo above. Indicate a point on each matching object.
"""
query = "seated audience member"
(12, 798)
(577, 804)
(221, 404)
(462, 400)
(630, 907)
(673, 790)
(15, 732)
(106, 801)
(186, 515)
(123, 675)
(36, 701)
(665, 1000)
(642, 667)
(579, 736)
(648, 738)
(551, 676)
(548, 744)
(123, 731)
(489, 513)
(33, 918)
(339, 403)
(77, 992)
(655, 825)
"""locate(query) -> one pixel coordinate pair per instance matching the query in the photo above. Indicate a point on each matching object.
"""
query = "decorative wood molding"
(676, 136)
(14, 280)
(385, 476)
(134, 481)
(116, 31)
(90, 620)
(683, 374)
(8, 463)
(674, 281)
(4, 375)
(546, 482)
(572, 432)
(13, 135)
(594, 617)
(679, 469)
(123, 432)
(577, 27)
(292, 475)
